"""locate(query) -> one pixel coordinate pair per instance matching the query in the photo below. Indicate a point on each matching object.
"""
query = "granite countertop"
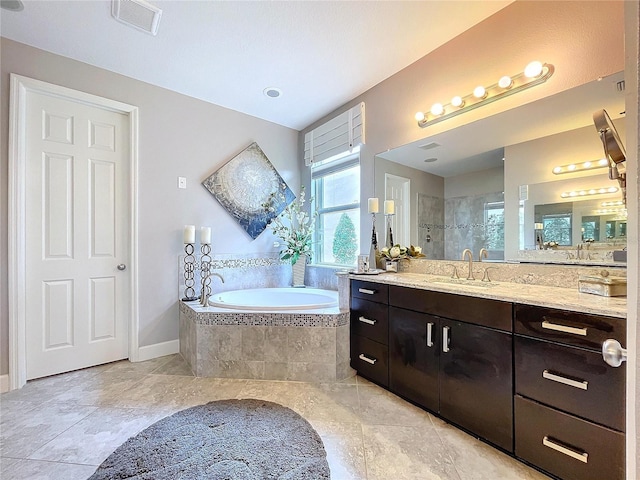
(545, 296)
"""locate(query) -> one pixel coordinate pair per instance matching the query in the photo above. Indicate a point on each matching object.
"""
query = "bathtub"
(298, 334)
(275, 299)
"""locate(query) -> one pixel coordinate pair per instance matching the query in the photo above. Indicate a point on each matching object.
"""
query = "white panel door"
(77, 248)
(397, 189)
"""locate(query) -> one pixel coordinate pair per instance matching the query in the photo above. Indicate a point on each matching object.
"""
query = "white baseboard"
(158, 350)
(4, 383)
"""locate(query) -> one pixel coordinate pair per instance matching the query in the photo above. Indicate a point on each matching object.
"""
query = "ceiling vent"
(137, 14)
(429, 146)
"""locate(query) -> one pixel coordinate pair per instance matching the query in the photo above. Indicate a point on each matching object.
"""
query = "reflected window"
(335, 184)
(557, 228)
(494, 226)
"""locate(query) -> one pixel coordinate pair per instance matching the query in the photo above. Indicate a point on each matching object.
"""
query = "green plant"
(294, 226)
(344, 241)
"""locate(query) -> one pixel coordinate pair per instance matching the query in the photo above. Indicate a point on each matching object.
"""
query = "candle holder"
(189, 268)
(389, 232)
(374, 243)
(205, 269)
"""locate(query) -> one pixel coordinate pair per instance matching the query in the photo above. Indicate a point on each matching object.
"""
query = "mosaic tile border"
(272, 319)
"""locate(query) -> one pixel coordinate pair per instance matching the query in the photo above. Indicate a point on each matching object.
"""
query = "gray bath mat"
(223, 440)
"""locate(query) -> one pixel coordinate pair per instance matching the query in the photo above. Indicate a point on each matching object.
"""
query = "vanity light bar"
(534, 74)
(591, 191)
(580, 166)
(622, 211)
(618, 203)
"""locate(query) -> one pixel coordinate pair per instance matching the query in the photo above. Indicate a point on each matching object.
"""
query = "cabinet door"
(413, 356)
(476, 383)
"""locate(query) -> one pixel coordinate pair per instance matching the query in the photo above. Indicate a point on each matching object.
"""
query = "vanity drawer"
(370, 359)
(579, 329)
(479, 311)
(572, 379)
(566, 446)
(375, 292)
(370, 319)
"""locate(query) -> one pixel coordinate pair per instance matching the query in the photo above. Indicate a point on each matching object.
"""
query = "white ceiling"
(321, 54)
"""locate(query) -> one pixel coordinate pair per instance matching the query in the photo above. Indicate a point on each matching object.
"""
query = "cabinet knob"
(613, 353)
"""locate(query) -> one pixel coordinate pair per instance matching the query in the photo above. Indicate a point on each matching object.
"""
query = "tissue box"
(604, 286)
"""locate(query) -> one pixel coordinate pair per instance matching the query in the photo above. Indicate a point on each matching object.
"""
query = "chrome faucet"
(483, 254)
(204, 296)
(464, 254)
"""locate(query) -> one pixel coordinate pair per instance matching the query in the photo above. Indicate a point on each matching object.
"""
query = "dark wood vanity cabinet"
(569, 403)
(453, 367)
(370, 330)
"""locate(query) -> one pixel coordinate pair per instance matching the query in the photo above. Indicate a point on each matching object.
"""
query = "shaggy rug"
(223, 440)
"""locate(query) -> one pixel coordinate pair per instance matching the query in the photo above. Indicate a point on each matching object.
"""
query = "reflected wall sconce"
(618, 203)
(609, 211)
(591, 191)
(534, 74)
(580, 166)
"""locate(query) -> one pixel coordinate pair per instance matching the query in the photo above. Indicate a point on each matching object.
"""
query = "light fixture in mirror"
(580, 166)
(534, 74)
(590, 191)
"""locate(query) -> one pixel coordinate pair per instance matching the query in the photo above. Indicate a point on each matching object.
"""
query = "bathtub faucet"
(204, 297)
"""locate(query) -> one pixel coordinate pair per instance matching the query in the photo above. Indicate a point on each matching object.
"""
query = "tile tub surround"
(275, 346)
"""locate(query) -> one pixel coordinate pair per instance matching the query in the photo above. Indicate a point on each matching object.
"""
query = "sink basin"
(465, 282)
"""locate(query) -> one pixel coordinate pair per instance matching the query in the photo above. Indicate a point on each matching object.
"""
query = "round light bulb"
(592, 191)
(613, 189)
(419, 116)
(479, 92)
(564, 194)
(437, 109)
(586, 164)
(603, 161)
(573, 194)
(557, 170)
(457, 101)
(505, 82)
(533, 70)
(602, 190)
(583, 192)
(571, 167)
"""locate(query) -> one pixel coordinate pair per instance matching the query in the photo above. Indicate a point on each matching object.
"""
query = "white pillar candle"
(205, 235)
(389, 207)
(374, 206)
(189, 234)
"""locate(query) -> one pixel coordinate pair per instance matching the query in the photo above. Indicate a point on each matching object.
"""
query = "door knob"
(613, 353)
(122, 266)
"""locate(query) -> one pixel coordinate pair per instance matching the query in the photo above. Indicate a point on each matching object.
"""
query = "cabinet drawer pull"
(445, 339)
(581, 384)
(563, 328)
(367, 320)
(367, 291)
(555, 445)
(430, 334)
(363, 357)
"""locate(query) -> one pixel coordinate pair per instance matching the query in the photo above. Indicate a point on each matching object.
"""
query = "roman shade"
(339, 135)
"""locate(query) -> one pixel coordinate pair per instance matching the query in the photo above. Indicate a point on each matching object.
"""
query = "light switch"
(182, 182)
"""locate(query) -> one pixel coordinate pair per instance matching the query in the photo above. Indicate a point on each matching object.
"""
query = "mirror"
(465, 185)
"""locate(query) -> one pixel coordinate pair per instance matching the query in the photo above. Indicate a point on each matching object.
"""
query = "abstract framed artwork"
(245, 184)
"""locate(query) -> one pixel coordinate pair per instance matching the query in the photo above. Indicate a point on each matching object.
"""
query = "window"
(335, 185)
(494, 226)
(557, 228)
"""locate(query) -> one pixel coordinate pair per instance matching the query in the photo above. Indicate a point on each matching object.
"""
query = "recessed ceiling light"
(13, 5)
(272, 92)
(430, 160)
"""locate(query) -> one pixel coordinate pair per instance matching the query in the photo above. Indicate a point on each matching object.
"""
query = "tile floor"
(63, 426)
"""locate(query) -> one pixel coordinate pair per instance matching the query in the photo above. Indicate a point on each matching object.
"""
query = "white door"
(77, 235)
(397, 189)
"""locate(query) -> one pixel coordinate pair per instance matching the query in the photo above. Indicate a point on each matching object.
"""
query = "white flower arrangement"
(294, 226)
(397, 252)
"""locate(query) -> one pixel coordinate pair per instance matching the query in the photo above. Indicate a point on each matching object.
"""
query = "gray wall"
(583, 40)
(179, 136)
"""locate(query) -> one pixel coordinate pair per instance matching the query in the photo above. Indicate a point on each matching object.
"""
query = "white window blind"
(339, 135)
